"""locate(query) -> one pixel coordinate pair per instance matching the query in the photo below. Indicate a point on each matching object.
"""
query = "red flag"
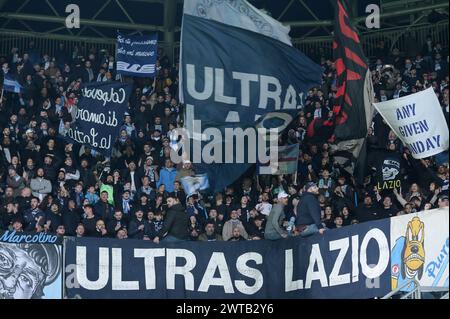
(352, 108)
(352, 111)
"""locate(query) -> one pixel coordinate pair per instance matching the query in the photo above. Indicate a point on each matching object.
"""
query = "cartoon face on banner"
(26, 270)
(390, 170)
(419, 249)
(389, 176)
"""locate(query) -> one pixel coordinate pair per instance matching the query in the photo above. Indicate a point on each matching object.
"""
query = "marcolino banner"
(30, 271)
(418, 120)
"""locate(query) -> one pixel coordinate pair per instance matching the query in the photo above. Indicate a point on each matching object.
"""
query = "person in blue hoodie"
(167, 176)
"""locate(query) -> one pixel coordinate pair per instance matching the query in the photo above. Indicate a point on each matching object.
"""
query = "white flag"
(192, 184)
(418, 120)
(241, 14)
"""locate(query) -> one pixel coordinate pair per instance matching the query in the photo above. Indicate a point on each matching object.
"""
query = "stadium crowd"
(48, 184)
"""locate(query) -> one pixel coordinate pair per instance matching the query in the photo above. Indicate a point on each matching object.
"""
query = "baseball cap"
(282, 195)
(309, 185)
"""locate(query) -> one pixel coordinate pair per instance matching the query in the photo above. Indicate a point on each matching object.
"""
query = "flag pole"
(258, 186)
(296, 169)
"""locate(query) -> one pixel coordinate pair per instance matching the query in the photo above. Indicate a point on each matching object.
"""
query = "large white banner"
(241, 14)
(418, 121)
(419, 249)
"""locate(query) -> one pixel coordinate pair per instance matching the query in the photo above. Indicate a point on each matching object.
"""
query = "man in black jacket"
(367, 211)
(102, 208)
(117, 223)
(308, 216)
(86, 173)
(175, 222)
(137, 225)
(34, 215)
(387, 208)
(71, 217)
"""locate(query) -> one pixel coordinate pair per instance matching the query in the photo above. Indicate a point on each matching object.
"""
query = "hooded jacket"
(309, 211)
(175, 223)
(167, 177)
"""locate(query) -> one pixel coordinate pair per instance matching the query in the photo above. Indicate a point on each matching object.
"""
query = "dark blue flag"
(136, 55)
(351, 262)
(100, 114)
(237, 79)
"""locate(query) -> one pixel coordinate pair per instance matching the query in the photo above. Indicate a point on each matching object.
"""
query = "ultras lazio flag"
(234, 78)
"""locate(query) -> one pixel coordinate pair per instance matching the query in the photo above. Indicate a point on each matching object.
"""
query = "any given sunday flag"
(234, 78)
(100, 113)
(418, 120)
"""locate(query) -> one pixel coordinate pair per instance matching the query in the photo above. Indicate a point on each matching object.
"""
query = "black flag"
(352, 108)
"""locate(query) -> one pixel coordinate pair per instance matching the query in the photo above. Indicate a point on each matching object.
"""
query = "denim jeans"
(309, 230)
(272, 236)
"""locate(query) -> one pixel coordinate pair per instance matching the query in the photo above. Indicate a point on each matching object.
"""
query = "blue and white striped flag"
(11, 85)
(192, 184)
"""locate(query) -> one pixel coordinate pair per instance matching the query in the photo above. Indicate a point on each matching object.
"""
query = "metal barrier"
(400, 37)
(417, 291)
(407, 40)
(49, 44)
(414, 293)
